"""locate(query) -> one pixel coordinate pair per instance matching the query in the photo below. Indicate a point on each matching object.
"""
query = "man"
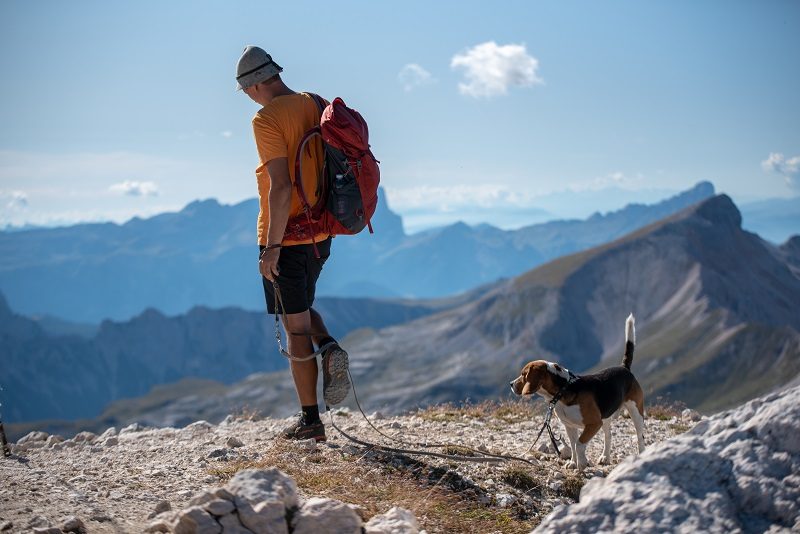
(295, 266)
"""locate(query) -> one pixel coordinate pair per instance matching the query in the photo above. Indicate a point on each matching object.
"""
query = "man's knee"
(297, 324)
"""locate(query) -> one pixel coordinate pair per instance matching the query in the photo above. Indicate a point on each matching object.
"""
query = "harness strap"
(572, 378)
(284, 352)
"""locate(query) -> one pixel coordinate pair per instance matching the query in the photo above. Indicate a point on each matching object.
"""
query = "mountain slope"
(71, 376)
(206, 254)
(715, 308)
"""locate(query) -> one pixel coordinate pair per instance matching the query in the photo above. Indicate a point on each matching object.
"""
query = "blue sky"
(478, 110)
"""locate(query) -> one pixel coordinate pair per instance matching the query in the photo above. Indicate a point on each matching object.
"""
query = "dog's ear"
(526, 388)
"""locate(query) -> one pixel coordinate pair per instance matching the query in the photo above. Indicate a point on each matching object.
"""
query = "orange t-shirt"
(278, 127)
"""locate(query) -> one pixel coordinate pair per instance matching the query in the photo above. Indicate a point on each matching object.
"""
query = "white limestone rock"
(395, 521)
(307, 445)
(85, 437)
(219, 507)
(110, 431)
(133, 427)
(231, 525)
(199, 427)
(736, 471)
(195, 520)
(319, 514)
(234, 442)
(32, 437)
(73, 524)
(262, 498)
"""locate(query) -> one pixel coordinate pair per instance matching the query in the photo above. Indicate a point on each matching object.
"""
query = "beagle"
(586, 403)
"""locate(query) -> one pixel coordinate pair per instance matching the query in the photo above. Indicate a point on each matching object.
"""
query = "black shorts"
(299, 269)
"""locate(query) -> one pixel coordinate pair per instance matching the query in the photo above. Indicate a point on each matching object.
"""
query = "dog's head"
(536, 375)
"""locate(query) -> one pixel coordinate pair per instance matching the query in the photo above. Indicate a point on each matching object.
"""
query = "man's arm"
(280, 197)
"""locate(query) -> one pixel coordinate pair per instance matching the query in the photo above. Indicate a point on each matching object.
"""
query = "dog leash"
(551, 408)
(482, 456)
(279, 301)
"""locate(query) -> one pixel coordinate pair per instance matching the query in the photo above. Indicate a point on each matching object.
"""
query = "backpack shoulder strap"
(319, 101)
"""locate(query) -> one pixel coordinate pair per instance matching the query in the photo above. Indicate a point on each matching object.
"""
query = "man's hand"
(268, 263)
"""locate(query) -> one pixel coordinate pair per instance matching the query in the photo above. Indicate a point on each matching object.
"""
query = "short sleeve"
(270, 141)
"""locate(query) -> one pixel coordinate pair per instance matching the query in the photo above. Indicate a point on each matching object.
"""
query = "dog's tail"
(630, 340)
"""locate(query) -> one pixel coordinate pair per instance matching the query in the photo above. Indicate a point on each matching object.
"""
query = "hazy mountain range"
(717, 324)
(49, 375)
(206, 255)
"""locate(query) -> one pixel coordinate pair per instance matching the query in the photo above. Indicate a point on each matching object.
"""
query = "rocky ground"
(737, 471)
(120, 480)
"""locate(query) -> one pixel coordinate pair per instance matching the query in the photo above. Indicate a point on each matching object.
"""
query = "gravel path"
(114, 482)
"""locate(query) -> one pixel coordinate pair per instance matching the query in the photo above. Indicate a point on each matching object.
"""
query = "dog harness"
(552, 406)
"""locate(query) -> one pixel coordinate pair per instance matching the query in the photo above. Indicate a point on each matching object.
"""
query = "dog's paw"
(604, 460)
(572, 465)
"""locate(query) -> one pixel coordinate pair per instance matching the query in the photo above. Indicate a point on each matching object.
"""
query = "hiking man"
(294, 265)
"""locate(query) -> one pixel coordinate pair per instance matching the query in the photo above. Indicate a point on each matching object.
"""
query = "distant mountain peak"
(704, 187)
(720, 209)
(201, 205)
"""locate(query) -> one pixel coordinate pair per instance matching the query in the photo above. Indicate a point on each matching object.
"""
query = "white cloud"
(14, 200)
(65, 188)
(135, 189)
(788, 168)
(448, 199)
(490, 69)
(412, 76)
(613, 179)
(227, 134)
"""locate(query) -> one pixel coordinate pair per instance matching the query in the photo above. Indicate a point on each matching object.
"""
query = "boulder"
(32, 437)
(395, 521)
(737, 471)
(262, 498)
(85, 436)
(195, 520)
(133, 427)
(231, 525)
(73, 524)
(234, 442)
(326, 515)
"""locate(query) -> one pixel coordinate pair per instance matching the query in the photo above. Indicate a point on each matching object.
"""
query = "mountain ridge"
(204, 255)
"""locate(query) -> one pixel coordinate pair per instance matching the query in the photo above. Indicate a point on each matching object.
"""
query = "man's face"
(252, 92)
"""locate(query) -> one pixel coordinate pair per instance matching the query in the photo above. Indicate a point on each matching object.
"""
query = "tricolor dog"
(587, 403)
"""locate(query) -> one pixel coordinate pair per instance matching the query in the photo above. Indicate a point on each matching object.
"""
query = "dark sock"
(325, 340)
(311, 415)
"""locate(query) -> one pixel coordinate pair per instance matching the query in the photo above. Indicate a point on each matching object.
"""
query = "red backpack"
(348, 183)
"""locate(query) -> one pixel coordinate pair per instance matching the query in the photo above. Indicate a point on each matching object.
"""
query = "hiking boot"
(335, 381)
(299, 430)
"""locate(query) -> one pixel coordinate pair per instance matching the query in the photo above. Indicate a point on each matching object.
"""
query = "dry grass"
(664, 410)
(440, 498)
(510, 411)
(680, 428)
(247, 413)
(521, 478)
(572, 486)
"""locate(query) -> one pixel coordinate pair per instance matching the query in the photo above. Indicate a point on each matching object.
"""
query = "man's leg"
(318, 327)
(304, 373)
